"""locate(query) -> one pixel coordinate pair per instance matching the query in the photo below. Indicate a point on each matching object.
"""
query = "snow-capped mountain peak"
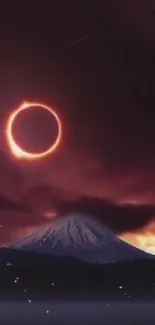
(82, 237)
(78, 230)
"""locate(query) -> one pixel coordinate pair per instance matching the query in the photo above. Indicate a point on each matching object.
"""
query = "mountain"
(81, 237)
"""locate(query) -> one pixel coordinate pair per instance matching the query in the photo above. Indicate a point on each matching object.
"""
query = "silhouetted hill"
(48, 277)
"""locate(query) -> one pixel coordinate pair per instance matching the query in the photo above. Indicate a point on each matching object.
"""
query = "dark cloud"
(120, 218)
(8, 204)
(42, 198)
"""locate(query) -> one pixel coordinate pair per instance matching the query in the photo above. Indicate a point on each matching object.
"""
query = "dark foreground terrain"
(43, 290)
(25, 276)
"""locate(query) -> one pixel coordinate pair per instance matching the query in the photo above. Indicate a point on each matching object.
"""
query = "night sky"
(103, 90)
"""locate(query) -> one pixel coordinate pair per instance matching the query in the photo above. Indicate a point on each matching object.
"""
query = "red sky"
(103, 89)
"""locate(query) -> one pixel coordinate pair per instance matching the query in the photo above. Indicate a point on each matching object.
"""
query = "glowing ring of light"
(15, 148)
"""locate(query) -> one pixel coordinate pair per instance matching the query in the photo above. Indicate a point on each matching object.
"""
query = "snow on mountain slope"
(81, 237)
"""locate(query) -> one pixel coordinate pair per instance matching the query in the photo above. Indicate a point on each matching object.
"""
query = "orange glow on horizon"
(143, 239)
(16, 150)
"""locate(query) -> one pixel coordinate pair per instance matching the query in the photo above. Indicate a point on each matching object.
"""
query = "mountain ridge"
(82, 237)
